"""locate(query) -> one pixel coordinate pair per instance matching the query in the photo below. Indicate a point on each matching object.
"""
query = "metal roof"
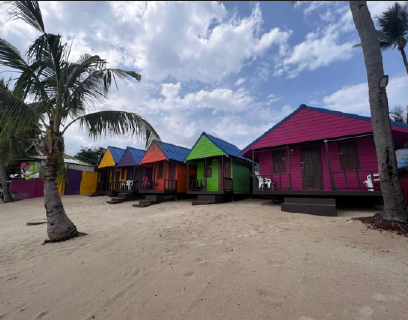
(303, 106)
(172, 152)
(228, 148)
(117, 153)
(137, 154)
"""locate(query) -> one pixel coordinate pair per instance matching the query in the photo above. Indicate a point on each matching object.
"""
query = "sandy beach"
(240, 260)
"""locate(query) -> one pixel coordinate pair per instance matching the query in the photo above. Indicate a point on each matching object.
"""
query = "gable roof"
(137, 154)
(229, 149)
(131, 157)
(117, 153)
(172, 152)
(395, 125)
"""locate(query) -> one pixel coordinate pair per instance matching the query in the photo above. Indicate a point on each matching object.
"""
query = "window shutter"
(279, 161)
(348, 153)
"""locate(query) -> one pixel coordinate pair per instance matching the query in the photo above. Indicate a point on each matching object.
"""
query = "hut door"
(227, 168)
(311, 167)
(172, 170)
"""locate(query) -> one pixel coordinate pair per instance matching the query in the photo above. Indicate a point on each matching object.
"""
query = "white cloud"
(234, 115)
(272, 98)
(194, 40)
(240, 81)
(325, 46)
(314, 5)
(354, 99)
(318, 50)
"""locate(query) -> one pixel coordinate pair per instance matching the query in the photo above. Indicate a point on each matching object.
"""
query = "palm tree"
(393, 31)
(14, 148)
(399, 114)
(4, 158)
(395, 207)
(61, 93)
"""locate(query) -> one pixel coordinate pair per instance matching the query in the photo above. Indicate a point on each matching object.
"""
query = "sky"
(231, 69)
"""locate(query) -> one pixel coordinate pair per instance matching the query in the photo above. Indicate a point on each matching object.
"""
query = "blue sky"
(231, 69)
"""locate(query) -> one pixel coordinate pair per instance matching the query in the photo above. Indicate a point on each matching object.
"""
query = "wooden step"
(323, 201)
(212, 198)
(144, 203)
(315, 206)
(126, 196)
(115, 200)
(204, 199)
(200, 203)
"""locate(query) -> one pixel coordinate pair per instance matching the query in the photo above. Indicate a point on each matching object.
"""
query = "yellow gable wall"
(107, 160)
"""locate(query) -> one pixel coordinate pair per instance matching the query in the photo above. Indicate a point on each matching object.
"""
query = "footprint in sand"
(41, 315)
(188, 274)
(383, 297)
(3, 315)
(135, 272)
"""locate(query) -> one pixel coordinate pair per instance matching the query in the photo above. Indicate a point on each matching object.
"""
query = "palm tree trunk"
(404, 58)
(395, 207)
(3, 179)
(59, 226)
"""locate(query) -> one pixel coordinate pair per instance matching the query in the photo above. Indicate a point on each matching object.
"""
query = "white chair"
(129, 184)
(263, 182)
(369, 183)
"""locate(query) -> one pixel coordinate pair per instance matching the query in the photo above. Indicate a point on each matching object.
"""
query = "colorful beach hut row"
(213, 168)
(313, 152)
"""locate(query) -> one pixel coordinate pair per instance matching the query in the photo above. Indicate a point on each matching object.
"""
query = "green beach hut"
(221, 171)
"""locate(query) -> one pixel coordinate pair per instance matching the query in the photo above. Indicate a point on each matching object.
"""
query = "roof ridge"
(171, 144)
(324, 110)
(207, 134)
(135, 148)
(115, 148)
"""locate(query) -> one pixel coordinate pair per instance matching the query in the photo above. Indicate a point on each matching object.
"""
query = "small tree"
(89, 155)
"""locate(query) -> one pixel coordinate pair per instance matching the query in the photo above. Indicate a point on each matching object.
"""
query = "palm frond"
(29, 12)
(112, 74)
(394, 27)
(11, 57)
(13, 148)
(117, 123)
(15, 116)
(29, 74)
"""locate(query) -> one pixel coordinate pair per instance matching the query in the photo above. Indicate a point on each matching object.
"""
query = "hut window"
(123, 174)
(161, 169)
(348, 155)
(278, 161)
(209, 169)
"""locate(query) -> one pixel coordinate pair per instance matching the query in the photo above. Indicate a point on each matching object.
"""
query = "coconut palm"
(61, 93)
(395, 207)
(4, 158)
(14, 148)
(393, 31)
